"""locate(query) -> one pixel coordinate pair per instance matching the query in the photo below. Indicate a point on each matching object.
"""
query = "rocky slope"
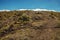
(29, 25)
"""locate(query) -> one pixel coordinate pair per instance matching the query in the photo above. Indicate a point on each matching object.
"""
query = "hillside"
(29, 25)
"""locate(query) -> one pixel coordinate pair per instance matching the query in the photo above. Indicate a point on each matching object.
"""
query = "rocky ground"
(29, 25)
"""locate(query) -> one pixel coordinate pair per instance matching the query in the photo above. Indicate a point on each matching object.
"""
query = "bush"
(24, 18)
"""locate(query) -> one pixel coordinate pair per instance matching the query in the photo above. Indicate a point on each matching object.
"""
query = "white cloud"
(4, 10)
(23, 9)
(29, 9)
(36, 10)
(42, 10)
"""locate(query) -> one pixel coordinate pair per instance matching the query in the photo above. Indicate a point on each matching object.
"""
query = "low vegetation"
(29, 25)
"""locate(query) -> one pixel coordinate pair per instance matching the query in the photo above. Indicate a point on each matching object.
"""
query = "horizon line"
(36, 9)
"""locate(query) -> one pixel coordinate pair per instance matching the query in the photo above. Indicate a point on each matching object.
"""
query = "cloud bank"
(30, 9)
(37, 10)
(4, 10)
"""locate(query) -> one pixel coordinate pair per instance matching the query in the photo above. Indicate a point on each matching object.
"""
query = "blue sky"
(30, 4)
